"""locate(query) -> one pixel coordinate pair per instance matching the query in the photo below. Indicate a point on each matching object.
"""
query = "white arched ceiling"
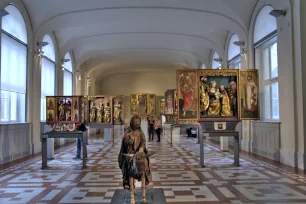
(100, 29)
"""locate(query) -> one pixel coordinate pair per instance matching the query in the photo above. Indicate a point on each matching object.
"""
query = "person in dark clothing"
(188, 131)
(151, 128)
(158, 128)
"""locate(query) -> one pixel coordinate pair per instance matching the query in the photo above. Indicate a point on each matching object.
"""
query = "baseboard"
(287, 157)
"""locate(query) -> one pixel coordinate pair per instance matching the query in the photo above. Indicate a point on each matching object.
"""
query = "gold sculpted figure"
(100, 113)
(214, 102)
(117, 112)
(226, 107)
(134, 104)
(92, 112)
(107, 115)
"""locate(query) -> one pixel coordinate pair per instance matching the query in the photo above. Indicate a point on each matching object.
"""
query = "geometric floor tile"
(174, 168)
(188, 194)
(18, 195)
(269, 192)
(240, 174)
(89, 195)
(174, 176)
(38, 177)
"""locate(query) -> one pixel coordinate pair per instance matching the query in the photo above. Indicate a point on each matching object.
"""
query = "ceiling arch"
(183, 32)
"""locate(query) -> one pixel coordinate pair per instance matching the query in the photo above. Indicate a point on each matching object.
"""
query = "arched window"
(68, 82)
(216, 64)
(234, 59)
(265, 46)
(13, 66)
(47, 74)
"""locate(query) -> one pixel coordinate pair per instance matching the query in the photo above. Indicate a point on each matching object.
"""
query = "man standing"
(151, 128)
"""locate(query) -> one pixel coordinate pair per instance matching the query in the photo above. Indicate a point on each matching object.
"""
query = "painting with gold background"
(151, 101)
(218, 94)
(169, 102)
(162, 106)
(187, 94)
(249, 93)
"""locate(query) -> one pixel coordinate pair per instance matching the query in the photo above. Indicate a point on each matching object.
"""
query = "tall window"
(13, 66)
(215, 63)
(266, 60)
(47, 74)
(68, 82)
(234, 59)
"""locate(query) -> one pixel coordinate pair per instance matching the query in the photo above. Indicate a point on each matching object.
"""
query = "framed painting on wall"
(218, 95)
(187, 94)
(249, 94)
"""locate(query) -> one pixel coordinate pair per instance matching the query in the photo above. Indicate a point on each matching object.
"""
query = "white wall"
(137, 82)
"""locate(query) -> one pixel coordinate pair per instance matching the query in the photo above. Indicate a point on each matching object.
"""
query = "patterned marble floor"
(174, 168)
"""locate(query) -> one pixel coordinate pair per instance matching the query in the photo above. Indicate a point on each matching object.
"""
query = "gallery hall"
(142, 101)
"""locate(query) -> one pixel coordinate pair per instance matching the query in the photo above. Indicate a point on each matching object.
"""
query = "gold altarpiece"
(218, 95)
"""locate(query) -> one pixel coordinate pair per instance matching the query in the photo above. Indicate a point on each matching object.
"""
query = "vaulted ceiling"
(103, 34)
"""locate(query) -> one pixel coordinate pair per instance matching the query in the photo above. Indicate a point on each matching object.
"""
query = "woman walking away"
(158, 128)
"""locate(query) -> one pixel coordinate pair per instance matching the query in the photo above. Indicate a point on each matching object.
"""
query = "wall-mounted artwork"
(249, 92)
(134, 104)
(64, 109)
(187, 94)
(100, 109)
(175, 102)
(118, 116)
(162, 106)
(151, 101)
(169, 102)
(218, 94)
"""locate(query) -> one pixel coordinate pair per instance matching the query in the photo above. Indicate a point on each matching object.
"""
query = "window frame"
(44, 97)
(234, 61)
(18, 119)
(266, 43)
(71, 72)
